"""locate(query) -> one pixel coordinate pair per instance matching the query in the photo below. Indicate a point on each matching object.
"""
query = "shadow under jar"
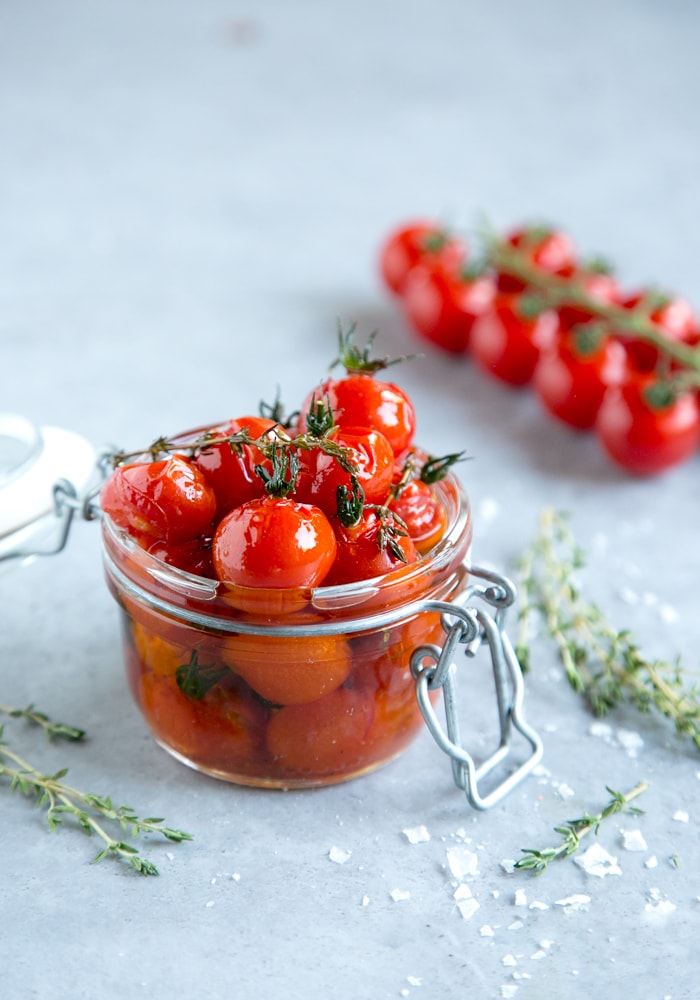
(283, 688)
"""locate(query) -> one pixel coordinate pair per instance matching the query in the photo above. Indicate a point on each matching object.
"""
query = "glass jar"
(283, 688)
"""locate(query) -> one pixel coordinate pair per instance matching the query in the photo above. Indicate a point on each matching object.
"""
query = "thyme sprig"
(93, 814)
(602, 663)
(572, 832)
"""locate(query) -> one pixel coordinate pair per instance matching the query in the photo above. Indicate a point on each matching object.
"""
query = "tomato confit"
(530, 312)
(275, 575)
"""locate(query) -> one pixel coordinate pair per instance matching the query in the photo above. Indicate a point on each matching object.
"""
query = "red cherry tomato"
(274, 542)
(599, 286)
(572, 375)
(365, 401)
(413, 244)
(646, 430)
(674, 317)
(441, 304)
(422, 513)
(506, 343)
(376, 545)
(231, 470)
(168, 500)
(193, 556)
(551, 250)
(320, 473)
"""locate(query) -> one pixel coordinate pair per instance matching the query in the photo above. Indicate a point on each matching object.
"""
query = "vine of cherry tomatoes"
(530, 312)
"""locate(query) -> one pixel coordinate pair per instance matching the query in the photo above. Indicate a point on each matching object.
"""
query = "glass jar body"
(284, 689)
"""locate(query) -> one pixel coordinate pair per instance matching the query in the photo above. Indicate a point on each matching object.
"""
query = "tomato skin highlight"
(274, 542)
(507, 344)
(425, 518)
(646, 440)
(571, 384)
(168, 500)
(366, 401)
(415, 243)
(442, 306)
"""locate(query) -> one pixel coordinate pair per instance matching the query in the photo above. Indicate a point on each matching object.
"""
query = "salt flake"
(508, 991)
(629, 741)
(520, 899)
(338, 856)
(651, 862)
(509, 960)
(681, 816)
(578, 901)
(462, 862)
(486, 931)
(416, 834)
(632, 840)
(399, 895)
(467, 908)
(596, 861)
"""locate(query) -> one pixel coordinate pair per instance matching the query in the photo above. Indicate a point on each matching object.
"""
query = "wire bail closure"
(433, 668)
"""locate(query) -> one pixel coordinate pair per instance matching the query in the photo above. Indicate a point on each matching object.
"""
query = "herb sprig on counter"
(573, 830)
(602, 663)
(93, 814)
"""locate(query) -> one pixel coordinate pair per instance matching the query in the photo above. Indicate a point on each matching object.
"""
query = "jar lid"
(32, 460)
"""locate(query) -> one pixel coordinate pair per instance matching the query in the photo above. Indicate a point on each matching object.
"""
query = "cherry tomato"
(231, 469)
(415, 243)
(645, 428)
(422, 513)
(193, 556)
(376, 545)
(323, 737)
(320, 473)
(572, 374)
(274, 542)
(168, 500)
(551, 250)
(365, 401)
(289, 671)
(506, 343)
(599, 286)
(673, 316)
(442, 304)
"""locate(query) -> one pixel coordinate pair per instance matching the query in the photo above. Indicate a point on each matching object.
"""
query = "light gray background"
(190, 195)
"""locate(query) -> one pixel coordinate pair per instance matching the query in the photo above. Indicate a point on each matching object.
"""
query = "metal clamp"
(434, 668)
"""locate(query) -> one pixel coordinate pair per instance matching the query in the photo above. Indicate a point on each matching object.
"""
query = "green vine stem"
(602, 663)
(556, 291)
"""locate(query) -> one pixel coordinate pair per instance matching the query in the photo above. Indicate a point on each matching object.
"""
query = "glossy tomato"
(274, 542)
(573, 373)
(230, 469)
(550, 250)
(506, 342)
(645, 428)
(415, 243)
(321, 474)
(672, 316)
(363, 400)
(598, 286)
(377, 544)
(441, 304)
(422, 513)
(168, 500)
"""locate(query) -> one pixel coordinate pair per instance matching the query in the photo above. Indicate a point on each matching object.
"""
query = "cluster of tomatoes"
(271, 509)
(530, 312)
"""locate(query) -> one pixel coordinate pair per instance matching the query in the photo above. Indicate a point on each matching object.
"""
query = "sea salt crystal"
(660, 909)
(669, 614)
(537, 905)
(632, 840)
(414, 981)
(578, 901)
(596, 861)
(520, 899)
(365, 900)
(486, 931)
(338, 856)
(399, 895)
(537, 955)
(509, 960)
(516, 925)
(416, 834)
(462, 862)
(508, 991)
(508, 866)
(467, 908)
(629, 741)
(564, 791)
(681, 816)
(651, 862)
(601, 729)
